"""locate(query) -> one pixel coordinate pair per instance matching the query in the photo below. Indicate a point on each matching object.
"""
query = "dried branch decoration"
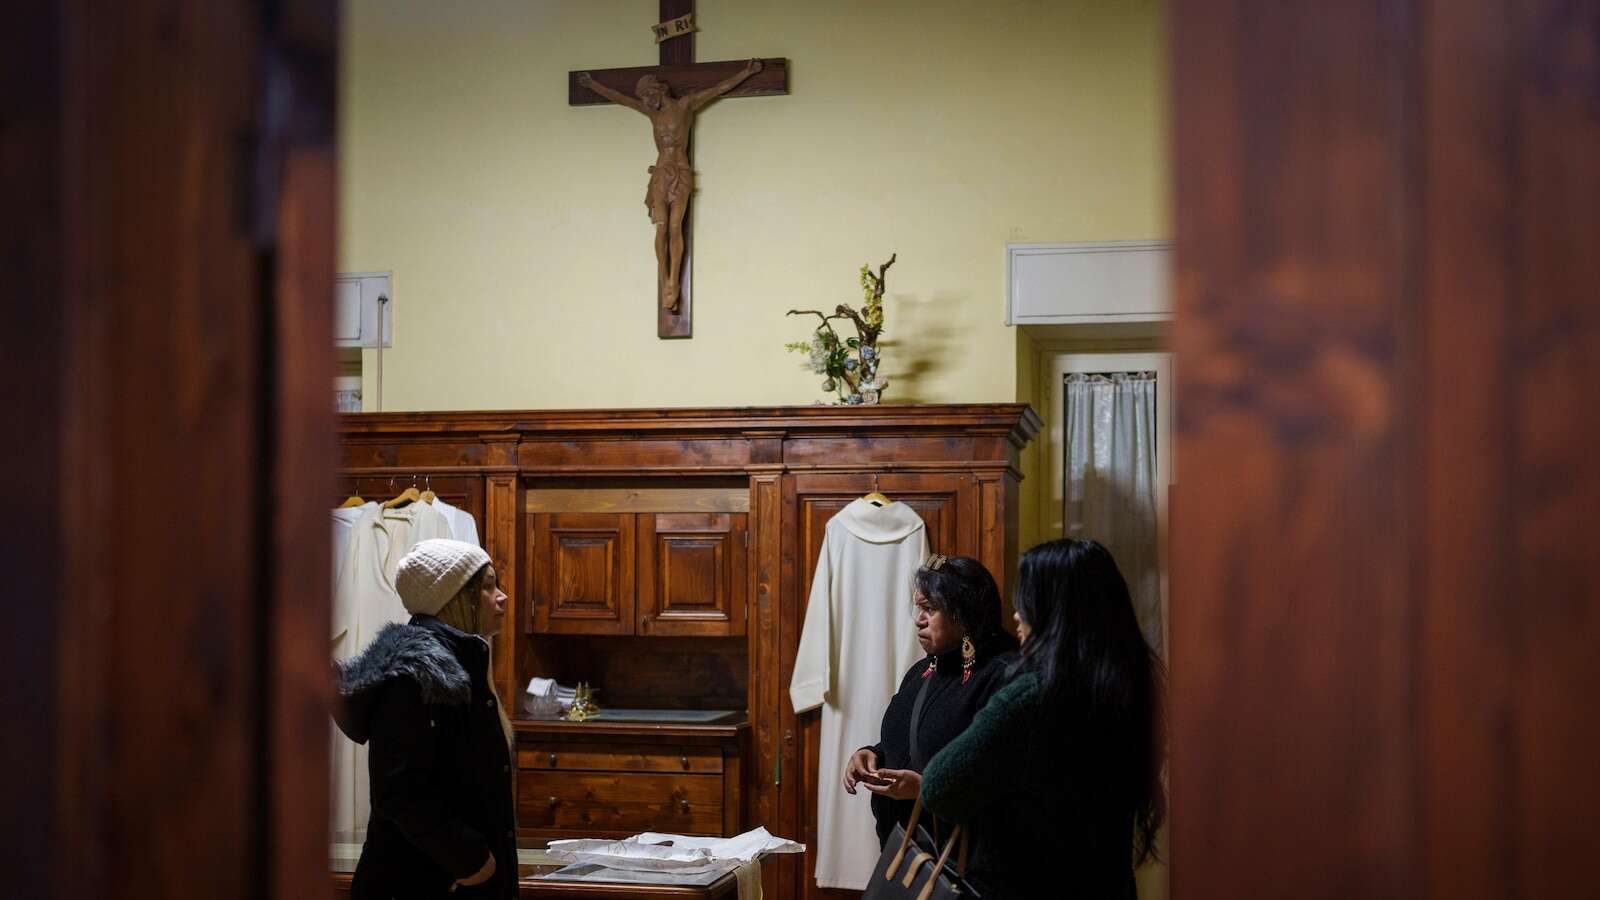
(851, 363)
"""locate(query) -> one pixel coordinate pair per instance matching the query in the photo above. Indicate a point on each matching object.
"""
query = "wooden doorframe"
(174, 247)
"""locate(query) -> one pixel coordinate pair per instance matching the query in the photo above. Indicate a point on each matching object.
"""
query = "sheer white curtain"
(1110, 486)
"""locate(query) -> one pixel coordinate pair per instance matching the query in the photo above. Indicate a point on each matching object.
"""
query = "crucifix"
(671, 94)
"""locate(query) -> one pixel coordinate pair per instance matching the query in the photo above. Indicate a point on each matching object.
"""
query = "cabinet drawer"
(624, 803)
(621, 757)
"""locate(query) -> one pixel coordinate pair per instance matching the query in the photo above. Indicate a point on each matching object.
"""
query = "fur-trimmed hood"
(399, 651)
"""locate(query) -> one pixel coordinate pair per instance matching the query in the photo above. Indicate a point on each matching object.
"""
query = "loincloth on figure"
(669, 183)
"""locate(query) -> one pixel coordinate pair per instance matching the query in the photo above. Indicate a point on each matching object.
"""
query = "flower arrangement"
(850, 363)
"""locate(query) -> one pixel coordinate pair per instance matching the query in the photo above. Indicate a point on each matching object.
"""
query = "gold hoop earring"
(969, 655)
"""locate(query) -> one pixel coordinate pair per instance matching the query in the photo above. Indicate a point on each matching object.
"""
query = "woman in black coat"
(957, 608)
(443, 820)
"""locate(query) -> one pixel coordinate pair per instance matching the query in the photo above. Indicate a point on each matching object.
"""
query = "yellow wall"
(521, 252)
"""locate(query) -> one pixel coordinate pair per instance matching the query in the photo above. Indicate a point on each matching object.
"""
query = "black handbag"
(919, 869)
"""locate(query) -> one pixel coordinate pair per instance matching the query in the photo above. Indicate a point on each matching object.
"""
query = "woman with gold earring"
(960, 627)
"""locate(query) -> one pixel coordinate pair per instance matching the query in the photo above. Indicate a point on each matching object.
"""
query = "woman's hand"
(480, 876)
(863, 765)
(898, 784)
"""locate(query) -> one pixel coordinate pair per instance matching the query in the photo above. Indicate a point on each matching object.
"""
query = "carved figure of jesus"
(671, 178)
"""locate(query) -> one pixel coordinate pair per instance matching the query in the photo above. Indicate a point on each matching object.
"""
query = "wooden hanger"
(352, 501)
(409, 495)
(428, 496)
(874, 497)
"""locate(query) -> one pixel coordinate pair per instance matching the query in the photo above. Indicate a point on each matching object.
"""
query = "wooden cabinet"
(583, 573)
(664, 556)
(615, 779)
(692, 573)
(670, 574)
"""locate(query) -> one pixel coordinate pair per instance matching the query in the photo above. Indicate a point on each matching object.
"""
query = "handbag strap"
(958, 835)
(905, 840)
(933, 877)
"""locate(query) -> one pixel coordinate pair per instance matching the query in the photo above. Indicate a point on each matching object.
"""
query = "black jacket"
(440, 767)
(948, 708)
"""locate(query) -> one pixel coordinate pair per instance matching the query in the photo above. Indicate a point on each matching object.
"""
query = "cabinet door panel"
(584, 573)
(692, 573)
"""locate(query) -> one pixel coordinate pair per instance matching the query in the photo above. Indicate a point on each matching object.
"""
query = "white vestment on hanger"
(859, 638)
(462, 526)
(345, 523)
(365, 601)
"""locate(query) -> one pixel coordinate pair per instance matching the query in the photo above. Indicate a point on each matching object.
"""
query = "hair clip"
(933, 562)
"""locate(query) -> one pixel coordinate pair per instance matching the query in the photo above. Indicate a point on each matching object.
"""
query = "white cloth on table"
(859, 637)
(364, 601)
(463, 527)
(664, 856)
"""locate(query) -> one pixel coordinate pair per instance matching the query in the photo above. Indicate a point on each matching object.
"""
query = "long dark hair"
(964, 590)
(1095, 669)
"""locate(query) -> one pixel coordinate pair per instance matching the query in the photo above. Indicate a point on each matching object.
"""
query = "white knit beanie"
(434, 571)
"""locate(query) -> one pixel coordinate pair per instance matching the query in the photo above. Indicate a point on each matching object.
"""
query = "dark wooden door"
(938, 499)
(1386, 584)
(583, 573)
(165, 357)
(692, 573)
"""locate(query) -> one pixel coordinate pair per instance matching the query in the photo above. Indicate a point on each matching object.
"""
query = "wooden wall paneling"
(500, 522)
(857, 451)
(382, 452)
(992, 518)
(713, 496)
(1011, 548)
(635, 455)
(733, 811)
(767, 687)
(797, 868)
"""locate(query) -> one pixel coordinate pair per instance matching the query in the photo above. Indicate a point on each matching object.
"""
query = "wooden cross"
(685, 78)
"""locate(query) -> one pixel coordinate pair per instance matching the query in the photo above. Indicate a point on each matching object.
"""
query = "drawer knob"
(683, 804)
(555, 802)
(552, 759)
(685, 761)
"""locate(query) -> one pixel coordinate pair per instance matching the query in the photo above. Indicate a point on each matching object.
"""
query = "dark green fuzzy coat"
(1007, 778)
